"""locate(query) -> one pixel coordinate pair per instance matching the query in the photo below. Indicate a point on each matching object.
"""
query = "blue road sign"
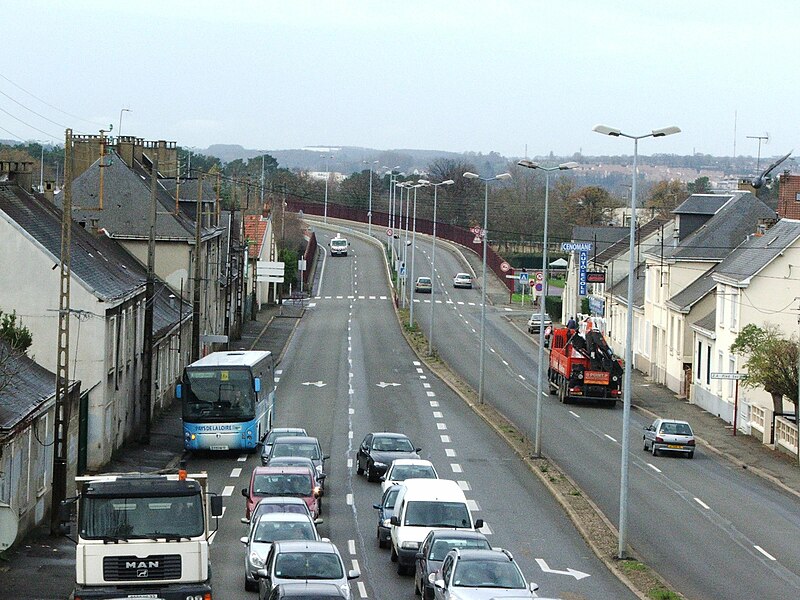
(523, 278)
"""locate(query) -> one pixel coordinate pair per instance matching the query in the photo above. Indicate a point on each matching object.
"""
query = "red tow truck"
(583, 367)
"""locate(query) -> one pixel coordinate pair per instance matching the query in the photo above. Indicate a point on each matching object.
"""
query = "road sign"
(505, 267)
(477, 240)
(402, 272)
(572, 246)
(475, 229)
(389, 232)
(523, 278)
(595, 276)
(539, 276)
(583, 267)
(538, 286)
(301, 264)
(728, 375)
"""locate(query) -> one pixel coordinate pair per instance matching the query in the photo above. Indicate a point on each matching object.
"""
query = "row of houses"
(111, 200)
(721, 261)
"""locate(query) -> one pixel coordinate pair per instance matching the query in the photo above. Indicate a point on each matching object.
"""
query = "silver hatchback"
(669, 435)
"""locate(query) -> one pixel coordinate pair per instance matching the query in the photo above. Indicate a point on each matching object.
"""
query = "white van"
(339, 245)
(422, 505)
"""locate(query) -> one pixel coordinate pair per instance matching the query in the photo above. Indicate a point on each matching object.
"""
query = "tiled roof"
(694, 292)
(723, 232)
(702, 204)
(757, 252)
(621, 289)
(621, 246)
(602, 237)
(255, 226)
(27, 387)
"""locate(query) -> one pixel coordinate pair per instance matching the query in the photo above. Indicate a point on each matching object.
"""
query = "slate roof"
(757, 252)
(602, 236)
(30, 386)
(724, 231)
(101, 263)
(702, 204)
(694, 292)
(707, 323)
(187, 200)
(126, 202)
(621, 246)
(621, 289)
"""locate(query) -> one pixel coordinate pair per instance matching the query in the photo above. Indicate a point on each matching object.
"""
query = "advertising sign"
(583, 267)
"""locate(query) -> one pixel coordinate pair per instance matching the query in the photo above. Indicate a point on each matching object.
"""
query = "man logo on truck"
(153, 564)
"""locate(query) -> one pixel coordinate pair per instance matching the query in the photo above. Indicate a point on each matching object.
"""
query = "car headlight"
(379, 464)
(256, 560)
(410, 545)
(319, 469)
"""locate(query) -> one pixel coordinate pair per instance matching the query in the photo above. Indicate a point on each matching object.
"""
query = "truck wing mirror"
(394, 520)
(245, 492)
(65, 509)
(216, 506)
(478, 523)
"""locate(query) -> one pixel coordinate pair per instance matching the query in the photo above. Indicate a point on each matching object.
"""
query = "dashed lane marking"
(236, 473)
(703, 504)
(362, 589)
(574, 414)
(522, 377)
(416, 363)
(445, 439)
(242, 458)
(227, 490)
(426, 385)
(655, 468)
(434, 404)
(419, 370)
(449, 452)
(441, 426)
(464, 485)
(486, 530)
(349, 499)
(764, 552)
(473, 505)
(456, 468)
(349, 463)
(351, 546)
(437, 414)
(431, 394)
(278, 371)
(611, 438)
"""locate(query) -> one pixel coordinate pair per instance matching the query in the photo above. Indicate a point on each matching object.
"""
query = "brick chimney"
(789, 196)
(49, 191)
(18, 171)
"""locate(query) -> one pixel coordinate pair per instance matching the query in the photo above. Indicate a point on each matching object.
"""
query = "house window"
(699, 367)
(648, 332)
(719, 369)
(731, 382)
(721, 307)
(797, 197)
(734, 311)
(708, 366)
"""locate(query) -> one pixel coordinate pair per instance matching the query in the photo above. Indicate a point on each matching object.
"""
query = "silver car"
(535, 322)
(480, 575)
(462, 280)
(272, 527)
(669, 435)
(292, 561)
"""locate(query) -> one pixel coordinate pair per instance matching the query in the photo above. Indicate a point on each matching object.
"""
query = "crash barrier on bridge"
(308, 255)
(380, 220)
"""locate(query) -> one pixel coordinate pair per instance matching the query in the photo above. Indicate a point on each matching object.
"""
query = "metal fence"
(453, 233)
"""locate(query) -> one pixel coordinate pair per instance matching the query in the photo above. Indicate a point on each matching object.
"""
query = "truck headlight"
(256, 560)
(410, 545)
(386, 522)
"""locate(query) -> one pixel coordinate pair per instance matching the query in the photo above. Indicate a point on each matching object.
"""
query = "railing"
(758, 417)
(311, 252)
(454, 233)
(786, 434)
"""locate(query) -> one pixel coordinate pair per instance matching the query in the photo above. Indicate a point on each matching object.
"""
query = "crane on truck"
(142, 535)
(583, 367)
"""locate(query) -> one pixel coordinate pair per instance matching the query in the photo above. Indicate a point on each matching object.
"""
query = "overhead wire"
(48, 104)
(50, 135)
(33, 111)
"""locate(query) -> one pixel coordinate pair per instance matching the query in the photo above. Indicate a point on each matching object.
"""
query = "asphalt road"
(712, 530)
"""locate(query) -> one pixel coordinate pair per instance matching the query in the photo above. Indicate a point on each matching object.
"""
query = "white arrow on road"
(571, 572)
(383, 384)
(319, 384)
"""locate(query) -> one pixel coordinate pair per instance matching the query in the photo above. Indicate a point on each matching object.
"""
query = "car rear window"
(440, 548)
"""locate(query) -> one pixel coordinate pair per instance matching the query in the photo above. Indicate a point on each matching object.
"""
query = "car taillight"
(659, 439)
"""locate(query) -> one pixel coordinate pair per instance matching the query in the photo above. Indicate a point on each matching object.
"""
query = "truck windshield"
(437, 514)
(218, 395)
(130, 518)
(339, 243)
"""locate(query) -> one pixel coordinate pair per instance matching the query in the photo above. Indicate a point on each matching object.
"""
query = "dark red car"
(298, 482)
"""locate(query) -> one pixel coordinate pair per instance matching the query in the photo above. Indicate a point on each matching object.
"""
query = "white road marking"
(522, 377)
(461, 303)
(493, 351)
(355, 566)
(441, 426)
(350, 434)
(312, 304)
(339, 297)
(349, 499)
(609, 437)
(277, 379)
(420, 370)
(227, 490)
(703, 504)
(349, 463)
(445, 439)
(431, 394)
(471, 303)
(352, 411)
(434, 404)
(351, 546)
(372, 297)
(423, 376)
(486, 530)
(574, 414)
(416, 363)
(508, 309)
(473, 506)
(382, 298)
(426, 385)
(464, 485)
(456, 468)
(655, 468)
(505, 362)
(764, 552)
(278, 371)
(242, 458)
(473, 331)
(236, 472)
(362, 589)
(437, 414)
(450, 452)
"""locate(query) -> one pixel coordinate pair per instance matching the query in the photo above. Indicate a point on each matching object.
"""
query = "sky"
(455, 75)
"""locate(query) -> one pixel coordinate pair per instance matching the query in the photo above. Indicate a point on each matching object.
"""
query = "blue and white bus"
(228, 400)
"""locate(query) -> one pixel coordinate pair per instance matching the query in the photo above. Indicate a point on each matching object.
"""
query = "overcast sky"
(458, 75)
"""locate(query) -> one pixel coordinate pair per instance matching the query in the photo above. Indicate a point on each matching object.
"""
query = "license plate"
(674, 446)
(218, 448)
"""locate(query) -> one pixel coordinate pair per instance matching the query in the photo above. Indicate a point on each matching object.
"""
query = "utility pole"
(149, 300)
(198, 271)
(61, 425)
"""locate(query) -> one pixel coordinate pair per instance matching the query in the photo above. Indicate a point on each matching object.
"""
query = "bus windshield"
(128, 518)
(218, 395)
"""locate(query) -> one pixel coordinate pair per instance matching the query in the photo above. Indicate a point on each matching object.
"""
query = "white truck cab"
(423, 505)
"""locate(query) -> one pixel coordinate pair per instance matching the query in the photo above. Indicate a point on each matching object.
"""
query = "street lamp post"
(485, 233)
(626, 389)
(413, 248)
(537, 432)
(327, 176)
(435, 187)
(119, 129)
(369, 212)
(398, 263)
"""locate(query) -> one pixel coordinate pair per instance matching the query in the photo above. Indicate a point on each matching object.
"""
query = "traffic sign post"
(737, 377)
(505, 267)
(389, 232)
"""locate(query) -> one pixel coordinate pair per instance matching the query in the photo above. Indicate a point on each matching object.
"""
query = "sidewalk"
(41, 567)
(655, 400)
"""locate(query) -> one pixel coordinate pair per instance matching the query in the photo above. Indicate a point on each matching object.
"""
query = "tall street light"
(537, 433)
(398, 263)
(327, 177)
(414, 186)
(485, 233)
(369, 213)
(119, 129)
(626, 389)
(435, 187)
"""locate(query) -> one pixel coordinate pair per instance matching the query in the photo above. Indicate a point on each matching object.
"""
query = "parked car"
(462, 280)
(295, 561)
(378, 450)
(408, 468)
(535, 322)
(282, 481)
(669, 435)
(274, 434)
(434, 549)
(480, 575)
(424, 285)
(304, 446)
(306, 591)
(269, 528)
(385, 510)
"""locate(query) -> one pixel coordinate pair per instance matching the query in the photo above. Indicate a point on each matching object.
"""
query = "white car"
(407, 468)
(462, 280)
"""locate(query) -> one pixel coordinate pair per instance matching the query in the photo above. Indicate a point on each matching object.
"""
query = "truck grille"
(134, 568)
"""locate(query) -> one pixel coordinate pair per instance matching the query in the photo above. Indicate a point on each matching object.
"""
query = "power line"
(48, 104)
(51, 136)
(31, 110)
(12, 134)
